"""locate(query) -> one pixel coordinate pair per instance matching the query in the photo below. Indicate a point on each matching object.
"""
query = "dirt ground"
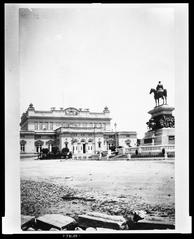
(115, 187)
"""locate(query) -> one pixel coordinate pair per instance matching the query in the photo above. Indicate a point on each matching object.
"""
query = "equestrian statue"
(160, 92)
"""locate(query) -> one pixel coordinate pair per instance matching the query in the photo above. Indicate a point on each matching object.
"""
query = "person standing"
(128, 156)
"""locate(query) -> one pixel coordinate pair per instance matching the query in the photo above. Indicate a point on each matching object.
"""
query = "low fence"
(127, 156)
(23, 156)
(148, 155)
(150, 148)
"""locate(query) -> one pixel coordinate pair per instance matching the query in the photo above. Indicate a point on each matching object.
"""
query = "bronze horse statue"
(158, 95)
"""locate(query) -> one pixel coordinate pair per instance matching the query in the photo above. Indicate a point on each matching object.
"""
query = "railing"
(147, 155)
(154, 148)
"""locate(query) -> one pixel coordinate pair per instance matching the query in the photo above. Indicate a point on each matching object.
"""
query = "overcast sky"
(92, 57)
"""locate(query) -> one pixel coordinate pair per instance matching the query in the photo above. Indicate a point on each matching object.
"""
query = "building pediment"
(71, 111)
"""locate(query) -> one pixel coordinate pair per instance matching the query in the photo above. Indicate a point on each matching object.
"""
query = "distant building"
(82, 131)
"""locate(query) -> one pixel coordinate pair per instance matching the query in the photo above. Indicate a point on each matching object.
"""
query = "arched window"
(22, 146)
(38, 145)
(50, 144)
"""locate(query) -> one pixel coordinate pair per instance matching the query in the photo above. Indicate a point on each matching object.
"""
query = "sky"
(92, 57)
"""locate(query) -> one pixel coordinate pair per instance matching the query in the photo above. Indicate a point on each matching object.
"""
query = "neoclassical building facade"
(82, 131)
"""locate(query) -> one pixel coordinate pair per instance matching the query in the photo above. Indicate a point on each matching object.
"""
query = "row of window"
(49, 125)
(85, 125)
(76, 148)
(43, 125)
(38, 148)
(99, 145)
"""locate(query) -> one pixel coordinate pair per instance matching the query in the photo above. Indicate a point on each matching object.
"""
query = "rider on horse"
(159, 92)
(159, 87)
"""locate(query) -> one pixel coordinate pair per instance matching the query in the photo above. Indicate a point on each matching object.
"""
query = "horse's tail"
(165, 92)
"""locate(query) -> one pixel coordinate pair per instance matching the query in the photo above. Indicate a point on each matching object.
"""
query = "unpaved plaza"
(113, 187)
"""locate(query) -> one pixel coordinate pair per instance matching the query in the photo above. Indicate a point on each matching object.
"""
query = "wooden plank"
(150, 223)
(101, 229)
(27, 221)
(102, 220)
(55, 221)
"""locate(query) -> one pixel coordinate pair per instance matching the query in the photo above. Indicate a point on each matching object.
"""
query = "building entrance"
(84, 148)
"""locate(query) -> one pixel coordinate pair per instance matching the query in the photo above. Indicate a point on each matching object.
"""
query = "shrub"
(64, 151)
(45, 151)
(55, 149)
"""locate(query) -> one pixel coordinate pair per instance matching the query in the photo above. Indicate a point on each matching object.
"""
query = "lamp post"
(115, 125)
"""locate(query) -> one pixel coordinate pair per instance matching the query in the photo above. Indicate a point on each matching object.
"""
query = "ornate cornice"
(74, 118)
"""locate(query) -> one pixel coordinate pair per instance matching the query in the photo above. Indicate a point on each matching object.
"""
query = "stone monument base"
(162, 136)
(161, 127)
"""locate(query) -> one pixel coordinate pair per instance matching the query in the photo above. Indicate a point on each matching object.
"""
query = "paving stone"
(57, 221)
(95, 219)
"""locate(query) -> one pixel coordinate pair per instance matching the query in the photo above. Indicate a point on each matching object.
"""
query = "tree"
(45, 151)
(55, 149)
(65, 151)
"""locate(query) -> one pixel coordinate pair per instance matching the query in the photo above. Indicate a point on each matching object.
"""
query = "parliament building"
(81, 131)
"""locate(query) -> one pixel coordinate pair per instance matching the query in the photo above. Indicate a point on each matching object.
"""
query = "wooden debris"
(58, 221)
(72, 197)
(27, 221)
(30, 229)
(53, 229)
(151, 223)
(95, 219)
(90, 229)
(101, 229)
(135, 216)
(78, 229)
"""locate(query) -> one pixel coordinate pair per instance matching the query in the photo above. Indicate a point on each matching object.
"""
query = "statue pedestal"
(160, 138)
(161, 124)
(161, 110)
